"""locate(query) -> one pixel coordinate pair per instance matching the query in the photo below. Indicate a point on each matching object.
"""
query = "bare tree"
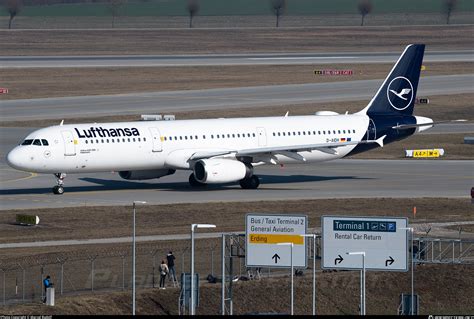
(13, 7)
(114, 7)
(365, 7)
(449, 6)
(278, 7)
(193, 8)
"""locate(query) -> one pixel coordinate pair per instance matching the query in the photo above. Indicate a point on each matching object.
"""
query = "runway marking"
(18, 179)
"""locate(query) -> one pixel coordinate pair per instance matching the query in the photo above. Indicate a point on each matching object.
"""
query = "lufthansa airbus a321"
(227, 150)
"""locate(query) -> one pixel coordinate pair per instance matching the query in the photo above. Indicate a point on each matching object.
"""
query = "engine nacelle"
(215, 171)
(146, 174)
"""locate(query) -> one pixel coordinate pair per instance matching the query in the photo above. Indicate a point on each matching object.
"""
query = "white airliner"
(226, 150)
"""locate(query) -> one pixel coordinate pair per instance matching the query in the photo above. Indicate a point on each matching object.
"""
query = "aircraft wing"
(203, 154)
(289, 151)
(306, 147)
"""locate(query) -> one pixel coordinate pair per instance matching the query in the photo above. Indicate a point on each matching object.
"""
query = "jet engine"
(214, 171)
(146, 174)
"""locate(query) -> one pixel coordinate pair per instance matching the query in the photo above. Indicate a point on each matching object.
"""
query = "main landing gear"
(251, 182)
(59, 188)
(195, 183)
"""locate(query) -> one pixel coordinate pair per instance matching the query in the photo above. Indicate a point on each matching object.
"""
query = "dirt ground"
(30, 83)
(242, 40)
(87, 222)
(443, 289)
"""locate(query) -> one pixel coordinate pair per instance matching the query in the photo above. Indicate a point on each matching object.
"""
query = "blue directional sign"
(382, 239)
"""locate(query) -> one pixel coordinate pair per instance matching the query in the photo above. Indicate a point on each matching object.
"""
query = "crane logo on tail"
(400, 93)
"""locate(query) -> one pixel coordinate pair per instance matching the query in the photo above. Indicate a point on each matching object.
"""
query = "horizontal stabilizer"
(380, 140)
(409, 126)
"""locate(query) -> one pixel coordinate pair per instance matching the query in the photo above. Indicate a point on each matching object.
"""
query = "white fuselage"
(145, 145)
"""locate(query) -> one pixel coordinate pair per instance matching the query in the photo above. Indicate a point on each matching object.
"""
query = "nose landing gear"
(59, 188)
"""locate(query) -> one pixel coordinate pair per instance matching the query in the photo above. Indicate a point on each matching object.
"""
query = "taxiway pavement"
(337, 179)
(223, 59)
(211, 99)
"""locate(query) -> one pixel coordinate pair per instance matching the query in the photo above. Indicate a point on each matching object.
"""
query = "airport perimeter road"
(337, 179)
(223, 59)
(211, 99)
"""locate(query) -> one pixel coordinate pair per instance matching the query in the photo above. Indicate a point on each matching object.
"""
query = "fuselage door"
(371, 131)
(156, 138)
(69, 145)
(262, 136)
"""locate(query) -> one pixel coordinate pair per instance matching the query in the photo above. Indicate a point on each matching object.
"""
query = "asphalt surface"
(211, 99)
(223, 59)
(336, 179)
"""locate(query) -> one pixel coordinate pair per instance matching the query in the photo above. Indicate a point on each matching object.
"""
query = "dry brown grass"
(337, 292)
(453, 145)
(88, 222)
(192, 41)
(441, 107)
(32, 83)
(443, 289)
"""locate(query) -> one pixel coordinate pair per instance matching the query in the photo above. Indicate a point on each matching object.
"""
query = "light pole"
(291, 263)
(362, 281)
(192, 261)
(410, 229)
(314, 270)
(133, 257)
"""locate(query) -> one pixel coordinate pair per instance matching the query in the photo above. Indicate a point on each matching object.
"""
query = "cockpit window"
(45, 142)
(27, 142)
(37, 142)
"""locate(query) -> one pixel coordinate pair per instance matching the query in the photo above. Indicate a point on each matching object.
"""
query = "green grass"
(242, 7)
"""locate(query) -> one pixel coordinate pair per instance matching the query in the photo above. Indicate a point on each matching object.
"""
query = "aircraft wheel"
(58, 190)
(250, 183)
(194, 182)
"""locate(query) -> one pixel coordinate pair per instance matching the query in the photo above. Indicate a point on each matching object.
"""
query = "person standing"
(163, 272)
(170, 258)
(47, 284)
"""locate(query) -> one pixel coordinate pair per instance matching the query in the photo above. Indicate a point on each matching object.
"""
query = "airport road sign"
(263, 234)
(382, 239)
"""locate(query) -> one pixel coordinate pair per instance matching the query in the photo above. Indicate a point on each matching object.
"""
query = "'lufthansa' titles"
(104, 132)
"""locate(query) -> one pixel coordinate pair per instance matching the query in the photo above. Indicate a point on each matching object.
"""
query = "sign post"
(264, 233)
(383, 239)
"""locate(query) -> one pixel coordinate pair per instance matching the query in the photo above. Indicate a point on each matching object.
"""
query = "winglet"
(380, 140)
(287, 112)
(62, 122)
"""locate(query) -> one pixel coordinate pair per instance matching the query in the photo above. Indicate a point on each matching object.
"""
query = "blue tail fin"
(397, 94)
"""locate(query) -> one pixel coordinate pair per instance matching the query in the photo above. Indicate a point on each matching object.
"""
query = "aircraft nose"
(14, 159)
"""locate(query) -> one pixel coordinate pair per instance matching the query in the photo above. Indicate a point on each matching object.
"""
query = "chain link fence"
(99, 270)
